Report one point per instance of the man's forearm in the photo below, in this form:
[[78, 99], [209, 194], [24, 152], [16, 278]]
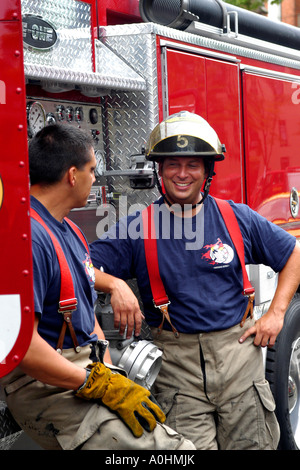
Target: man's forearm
[[127, 313], [268, 327], [288, 283], [104, 282], [45, 364]]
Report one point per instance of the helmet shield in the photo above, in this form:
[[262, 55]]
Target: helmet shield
[[184, 134]]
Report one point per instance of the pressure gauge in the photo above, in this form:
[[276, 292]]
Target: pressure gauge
[[69, 113], [79, 114], [36, 117], [101, 165], [60, 112]]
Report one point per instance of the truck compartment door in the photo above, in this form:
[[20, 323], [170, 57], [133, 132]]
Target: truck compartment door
[[272, 142], [210, 87]]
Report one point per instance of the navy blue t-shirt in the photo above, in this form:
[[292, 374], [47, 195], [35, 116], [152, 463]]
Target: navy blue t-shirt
[[47, 280], [198, 263]]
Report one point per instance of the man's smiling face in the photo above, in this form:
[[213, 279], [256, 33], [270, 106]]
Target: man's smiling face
[[183, 179]]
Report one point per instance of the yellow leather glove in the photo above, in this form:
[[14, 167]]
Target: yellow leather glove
[[132, 402]]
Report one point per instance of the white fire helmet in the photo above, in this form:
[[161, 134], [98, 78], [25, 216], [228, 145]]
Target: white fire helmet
[[184, 134]]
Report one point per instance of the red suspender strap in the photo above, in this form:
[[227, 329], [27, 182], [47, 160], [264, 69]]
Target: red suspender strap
[[78, 233], [68, 301], [160, 298], [159, 294], [236, 236], [67, 295]]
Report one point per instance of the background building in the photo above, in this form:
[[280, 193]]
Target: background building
[[288, 11]]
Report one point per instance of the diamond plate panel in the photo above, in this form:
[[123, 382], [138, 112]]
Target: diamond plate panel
[[130, 117], [72, 22], [9, 429], [70, 61]]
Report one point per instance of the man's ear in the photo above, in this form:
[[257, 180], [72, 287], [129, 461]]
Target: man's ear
[[160, 167], [71, 175]]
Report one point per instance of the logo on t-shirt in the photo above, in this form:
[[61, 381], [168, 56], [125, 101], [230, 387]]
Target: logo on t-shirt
[[218, 253], [89, 268]]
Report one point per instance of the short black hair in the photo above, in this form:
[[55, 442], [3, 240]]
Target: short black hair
[[55, 149]]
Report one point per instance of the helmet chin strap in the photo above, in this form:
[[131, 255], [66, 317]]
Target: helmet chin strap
[[207, 184], [208, 181]]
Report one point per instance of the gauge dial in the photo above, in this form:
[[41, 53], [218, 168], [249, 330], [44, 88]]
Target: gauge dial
[[69, 113], [79, 114], [36, 117], [101, 165], [61, 112]]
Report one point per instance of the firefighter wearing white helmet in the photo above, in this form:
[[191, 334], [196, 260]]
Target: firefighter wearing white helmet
[[185, 134], [211, 384]]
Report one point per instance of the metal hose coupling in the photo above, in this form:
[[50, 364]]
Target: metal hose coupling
[[139, 357]]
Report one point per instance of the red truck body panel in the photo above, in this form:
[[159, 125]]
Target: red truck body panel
[[16, 263]]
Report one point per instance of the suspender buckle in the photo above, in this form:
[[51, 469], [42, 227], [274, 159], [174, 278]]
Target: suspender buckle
[[249, 292], [165, 316], [250, 305], [161, 305], [67, 305], [66, 308]]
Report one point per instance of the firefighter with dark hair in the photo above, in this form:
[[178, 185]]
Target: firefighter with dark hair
[[195, 293], [65, 393]]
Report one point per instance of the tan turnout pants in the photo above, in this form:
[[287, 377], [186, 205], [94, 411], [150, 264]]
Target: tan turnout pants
[[214, 392], [57, 420]]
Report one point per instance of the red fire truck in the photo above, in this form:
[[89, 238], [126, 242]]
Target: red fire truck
[[117, 67]]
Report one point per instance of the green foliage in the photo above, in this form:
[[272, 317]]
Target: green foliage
[[252, 5]]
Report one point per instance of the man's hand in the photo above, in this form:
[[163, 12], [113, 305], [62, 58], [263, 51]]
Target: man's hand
[[132, 402], [124, 303], [265, 330], [126, 309]]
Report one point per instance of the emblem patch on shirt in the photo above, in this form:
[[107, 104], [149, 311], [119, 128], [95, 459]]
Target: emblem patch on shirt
[[89, 268], [218, 253]]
